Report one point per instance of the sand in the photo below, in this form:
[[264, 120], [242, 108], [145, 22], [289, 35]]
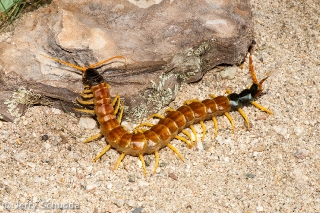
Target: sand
[[274, 167]]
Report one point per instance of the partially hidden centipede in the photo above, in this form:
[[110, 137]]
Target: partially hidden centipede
[[140, 142]]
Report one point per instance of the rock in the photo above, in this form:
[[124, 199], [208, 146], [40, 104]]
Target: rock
[[87, 122], [164, 43]]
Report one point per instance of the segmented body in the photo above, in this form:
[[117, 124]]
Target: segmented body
[[159, 135]]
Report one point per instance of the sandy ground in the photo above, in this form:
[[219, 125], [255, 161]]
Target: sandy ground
[[274, 167]]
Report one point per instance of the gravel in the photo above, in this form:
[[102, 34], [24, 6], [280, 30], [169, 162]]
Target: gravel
[[274, 167]]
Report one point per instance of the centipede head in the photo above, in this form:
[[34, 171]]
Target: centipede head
[[90, 76]]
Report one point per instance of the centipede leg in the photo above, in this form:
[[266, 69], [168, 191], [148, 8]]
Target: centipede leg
[[261, 107], [102, 153], [184, 140], [156, 153], [242, 113], [116, 101], [143, 164], [215, 126], [245, 117], [87, 95], [188, 135], [121, 113], [156, 115], [89, 111], [119, 161], [190, 101], [175, 150], [231, 120], [204, 130], [168, 110], [82, 102], [93, 138], [194, 133]]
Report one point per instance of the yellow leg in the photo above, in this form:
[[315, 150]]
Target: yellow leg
[[121, 113], [190, 101], [187, 134], [245, 117], [82, 102], [93, 138], [144, 124], [115, 101], [119, 161], [143, 164], [212, 95], [136, 130], [215, 126], [184, 140], [194, 133], [87, 90], [261, 107], [102, 153], [86, 96], [204, 130], [231, 120], [175, 150], [156, 153], [168, 110], [89, 111], [156, 115]]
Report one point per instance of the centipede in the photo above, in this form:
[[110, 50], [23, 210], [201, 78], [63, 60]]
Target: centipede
[[142, 141]]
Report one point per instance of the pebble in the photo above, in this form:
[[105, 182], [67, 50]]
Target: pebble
[[109, 185], [119, 202], [280, 130], [131, 203], [137, 210], [229, 72], [301, 154], [86, 122], [44, 137], [47, 145], [91, 186], [21, 156]]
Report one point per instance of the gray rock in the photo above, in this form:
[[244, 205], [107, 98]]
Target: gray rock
[[164, 43]]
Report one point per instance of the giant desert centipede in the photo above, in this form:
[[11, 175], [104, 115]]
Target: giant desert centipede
[[140, 142]]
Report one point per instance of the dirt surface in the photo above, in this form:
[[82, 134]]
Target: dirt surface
[[274, 167]]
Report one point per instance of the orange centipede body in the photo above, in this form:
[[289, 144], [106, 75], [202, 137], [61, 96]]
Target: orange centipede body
[[158, 136]]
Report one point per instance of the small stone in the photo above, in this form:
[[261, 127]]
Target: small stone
[[143, 183], [250, 176], [137, 210], [173, 176], [119, 203], [131, 203], [280, 130], [109, 186], [200, 146], [132, 179], [44, 137], [259, 147], [21, 156], [87, 122], [162, 164], [47, 145], [229, 72], [91, 186], [301, 154]]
